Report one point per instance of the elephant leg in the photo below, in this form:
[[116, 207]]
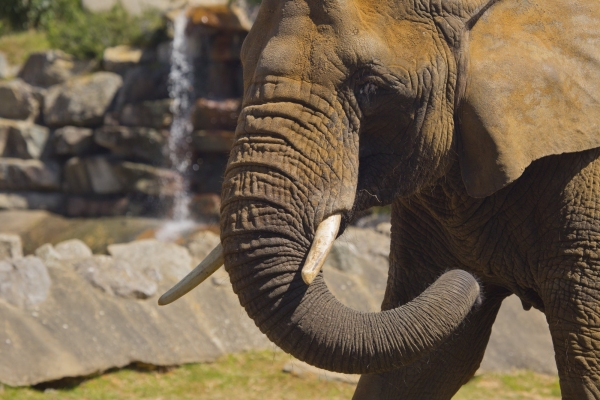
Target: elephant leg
[[574, 318], [440, 374]]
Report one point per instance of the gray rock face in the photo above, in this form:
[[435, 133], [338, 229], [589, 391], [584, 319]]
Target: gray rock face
[[17, 101], [142, 178], [92, 175], [32, 200], [81, 101], [153, 257], [201, 243], [21, 139], [142, 143], [10, 246], [73, 141], [116, 277], [150, 114], [119, 59], [144, 83], [24, 282], [52, 67], [17, 174]]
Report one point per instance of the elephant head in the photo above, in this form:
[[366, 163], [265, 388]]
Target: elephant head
[[348, 104]]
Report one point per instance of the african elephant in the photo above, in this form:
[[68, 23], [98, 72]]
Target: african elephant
[[479, 122]]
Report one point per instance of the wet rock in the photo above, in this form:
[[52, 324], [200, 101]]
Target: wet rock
[[17, 174], [17, 101], [81, 101], [150, 114], [92, 175], [22, 139], [227, 46], [52, 67], [213, 141], [24, 282], [119, 59], [73, 141], [215, 114], [73, 249], [144, 83], [141, 143], [217, 16], [155, 257], [206, 206], [143, 178], [10, 246], [116, 277], [32, 200]]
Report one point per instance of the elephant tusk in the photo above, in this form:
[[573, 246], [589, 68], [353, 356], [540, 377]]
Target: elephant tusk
[[206, 268], [324, 237]]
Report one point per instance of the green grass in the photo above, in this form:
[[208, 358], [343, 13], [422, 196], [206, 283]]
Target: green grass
[[258, 375], [17, 46]]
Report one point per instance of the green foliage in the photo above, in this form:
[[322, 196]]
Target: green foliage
[[86, 35], [76, 31]]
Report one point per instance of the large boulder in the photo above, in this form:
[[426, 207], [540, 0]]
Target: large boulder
[[91, 175], [20, 139], [22, 175], [150, 114], [119, 59], [52, 67], [17, 101], [73, 141], [144, 83], [51, 201], [81, 101], [145, 144], [10, 246], [149, 180], [5, 69], [116, 277], [24, 282], [215, 114]]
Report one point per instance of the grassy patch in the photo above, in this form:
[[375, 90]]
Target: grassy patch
[[257, 375], [17, 46]]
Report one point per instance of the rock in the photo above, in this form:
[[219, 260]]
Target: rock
[[88, 207], [12, 201], [384, 228], [150, 114], [10, 246], [207, 175], [213, 141], [201, 243], [142, 178], [81, 101], [73, 141], [157, 258], [17, 101], [144, 83], [24, 282], [216, 16], [73, 249], [52, 67], [344, 257], [520, 340], [215, 114], [92, 175], [48, 254], [17, 174], [32, 200], [146, 144], [206, 206], [116, 277], [5, 70], [226, 46], [120, 58], [21, 139]]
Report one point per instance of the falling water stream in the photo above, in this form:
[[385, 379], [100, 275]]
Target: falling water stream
[[181, 84]]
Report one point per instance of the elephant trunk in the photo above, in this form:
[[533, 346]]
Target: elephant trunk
[[278, 187]]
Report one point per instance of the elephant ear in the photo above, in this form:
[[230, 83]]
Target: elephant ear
[[533, 88]]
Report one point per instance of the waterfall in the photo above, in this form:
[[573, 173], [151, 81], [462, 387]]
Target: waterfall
[[181, 84]]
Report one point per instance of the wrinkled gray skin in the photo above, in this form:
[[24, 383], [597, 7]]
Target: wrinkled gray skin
[[338, 117]]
